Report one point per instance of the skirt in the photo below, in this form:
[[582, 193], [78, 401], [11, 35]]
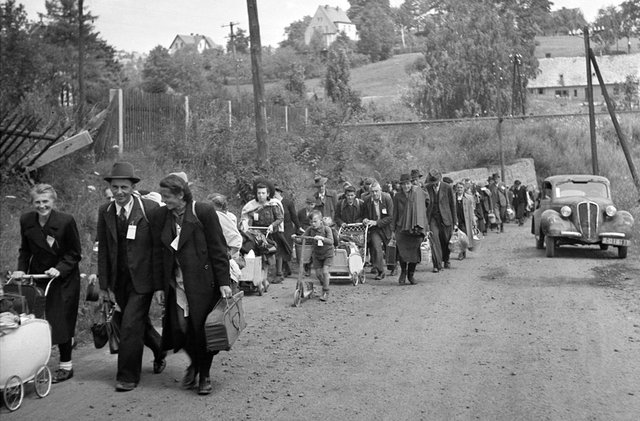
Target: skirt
[[408, 246]]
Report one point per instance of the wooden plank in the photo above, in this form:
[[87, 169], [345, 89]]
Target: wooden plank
[[63, 148]]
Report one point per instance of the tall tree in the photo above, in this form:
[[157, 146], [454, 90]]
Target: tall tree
[[336, 82], [376, 30], [630, 11], [294, 34], [241, 40], [19, 66], [609, 23], [466, 70]]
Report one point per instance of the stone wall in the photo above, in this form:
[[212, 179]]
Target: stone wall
[[522, 169]]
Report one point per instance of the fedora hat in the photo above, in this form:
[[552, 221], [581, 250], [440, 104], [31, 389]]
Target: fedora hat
[[319, 181], [122, 171], [406, 178], [416, 174], [310, 199]]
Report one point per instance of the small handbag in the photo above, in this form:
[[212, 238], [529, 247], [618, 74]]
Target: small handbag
[[107, 331], [225, 322]]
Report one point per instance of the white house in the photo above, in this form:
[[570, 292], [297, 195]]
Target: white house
[[201, 42], [329, 22], [567, 76]]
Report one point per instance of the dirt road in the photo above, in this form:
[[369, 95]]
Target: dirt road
[[505, 334]]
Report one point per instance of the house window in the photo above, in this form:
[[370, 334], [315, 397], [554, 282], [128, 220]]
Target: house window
[[562, 93], [540, 91], [575, 93]]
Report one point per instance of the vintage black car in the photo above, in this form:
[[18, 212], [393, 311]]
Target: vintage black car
[[577, 209]]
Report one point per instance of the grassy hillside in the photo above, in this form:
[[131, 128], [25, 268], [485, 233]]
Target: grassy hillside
[[567, 46]]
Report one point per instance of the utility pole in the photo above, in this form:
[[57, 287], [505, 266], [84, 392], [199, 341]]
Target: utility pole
[[592, 116], [499, 127], [262, 158], [232, 37], [80, 116]]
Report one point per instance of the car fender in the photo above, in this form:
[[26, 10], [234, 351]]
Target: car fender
[[552, 223], [622, 222]]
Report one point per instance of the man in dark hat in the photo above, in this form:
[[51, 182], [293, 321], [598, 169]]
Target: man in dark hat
[[291, 226], [442, 218], [326, 200], [125, 273], [519, 201], [416, 178]]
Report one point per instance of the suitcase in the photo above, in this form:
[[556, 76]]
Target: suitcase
[[225, 322]]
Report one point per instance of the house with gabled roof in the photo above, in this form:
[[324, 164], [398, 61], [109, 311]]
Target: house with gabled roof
[[567, 76], [200, 42], [328, 22]]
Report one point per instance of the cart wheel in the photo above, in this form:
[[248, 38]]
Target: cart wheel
[[362, 278], [42, 381], [297, 297], [354, 279], [13, 393]]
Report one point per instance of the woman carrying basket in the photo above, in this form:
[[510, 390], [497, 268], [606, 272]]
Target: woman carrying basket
[[51, 245]]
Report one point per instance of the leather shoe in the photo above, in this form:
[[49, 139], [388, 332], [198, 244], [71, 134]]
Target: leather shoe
[[393, 272], [160, 363], [379, 276], [436, 270], [62, 375], [125, 386], [204, 387], [411, 279], [447, 265], [189, 379]]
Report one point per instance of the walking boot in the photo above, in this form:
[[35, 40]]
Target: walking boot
[[402, 278], [410, 278]]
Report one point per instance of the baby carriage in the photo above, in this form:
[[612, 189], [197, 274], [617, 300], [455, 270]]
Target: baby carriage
[[253, 276], [348, 262], [19, 334]]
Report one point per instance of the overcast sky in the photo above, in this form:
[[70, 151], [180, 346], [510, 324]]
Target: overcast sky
[[140, 25]]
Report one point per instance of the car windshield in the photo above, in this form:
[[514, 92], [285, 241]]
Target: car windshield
[[582, 188]]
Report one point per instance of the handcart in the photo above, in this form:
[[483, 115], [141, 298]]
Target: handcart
[[348, 262], [254, 278], [304, 289], [25, 348]]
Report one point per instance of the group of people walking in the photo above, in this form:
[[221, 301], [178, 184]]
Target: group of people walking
[[177, 252], [184, 252]]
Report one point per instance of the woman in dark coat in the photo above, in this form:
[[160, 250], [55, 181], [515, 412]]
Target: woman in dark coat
[[51, 245], [410, 225], [190, 256]]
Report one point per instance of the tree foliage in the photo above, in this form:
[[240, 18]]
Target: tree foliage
[[336, 81], [376, 30], [466, 60], [294, 34]]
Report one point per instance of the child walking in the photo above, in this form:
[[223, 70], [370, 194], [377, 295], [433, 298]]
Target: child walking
[[323, 251]]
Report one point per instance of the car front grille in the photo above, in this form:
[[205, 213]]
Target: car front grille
[[588, 220]]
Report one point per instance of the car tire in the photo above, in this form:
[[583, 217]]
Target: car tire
[[540, 241], [604, 247], [622, 252], [551, 246]]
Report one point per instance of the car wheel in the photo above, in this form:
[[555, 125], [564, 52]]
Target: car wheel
[[604, 246], [622, 252], [540, 241], [551, 246]]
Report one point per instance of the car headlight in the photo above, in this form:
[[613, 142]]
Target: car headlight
[[610, 211], [565, 211]]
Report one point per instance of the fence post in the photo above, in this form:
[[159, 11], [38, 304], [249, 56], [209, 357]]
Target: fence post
[[306, 116], [186, 118], [229, 111], [286, 118], [120, 123]]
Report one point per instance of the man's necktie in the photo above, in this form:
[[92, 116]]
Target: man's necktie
[[122, 221]]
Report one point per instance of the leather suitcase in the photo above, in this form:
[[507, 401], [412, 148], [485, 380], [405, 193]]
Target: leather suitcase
[[390, 255], [225, 322]]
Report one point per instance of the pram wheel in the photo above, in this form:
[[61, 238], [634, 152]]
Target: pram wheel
[[361, 277], [297, 297], [13, 393], [260, 289], [42, 381], [355, 279]]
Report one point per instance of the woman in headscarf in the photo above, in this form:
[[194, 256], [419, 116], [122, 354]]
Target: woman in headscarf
[[51, 245], [190, 255], [410, 224], [465, 213]]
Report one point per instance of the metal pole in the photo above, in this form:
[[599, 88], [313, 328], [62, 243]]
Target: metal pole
[[614, 119], [120, 124], [229, 112], [286, 118], [592, 117], [186, 117]]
